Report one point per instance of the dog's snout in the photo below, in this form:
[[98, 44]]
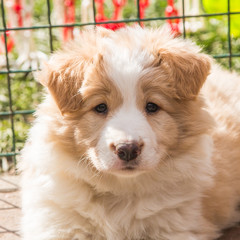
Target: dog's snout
[[128, 151]]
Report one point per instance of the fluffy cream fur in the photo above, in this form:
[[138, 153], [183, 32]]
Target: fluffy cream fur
[[185, 181]]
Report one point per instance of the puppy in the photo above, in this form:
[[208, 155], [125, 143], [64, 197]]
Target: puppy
[[130, 144]]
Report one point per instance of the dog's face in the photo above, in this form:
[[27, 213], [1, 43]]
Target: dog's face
[[126, 100]]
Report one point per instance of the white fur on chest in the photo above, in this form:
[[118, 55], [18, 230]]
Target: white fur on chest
[[166, 206]]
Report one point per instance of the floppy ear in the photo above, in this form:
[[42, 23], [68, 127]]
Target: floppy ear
[[188, 69], [63, 79]]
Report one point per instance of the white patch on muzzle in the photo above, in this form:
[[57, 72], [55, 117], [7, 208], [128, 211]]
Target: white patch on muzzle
[[126, 126]]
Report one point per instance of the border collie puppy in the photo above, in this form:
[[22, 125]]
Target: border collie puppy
[[131, 143]]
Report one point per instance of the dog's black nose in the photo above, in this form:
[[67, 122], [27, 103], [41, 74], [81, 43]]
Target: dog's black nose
[[128, 151]]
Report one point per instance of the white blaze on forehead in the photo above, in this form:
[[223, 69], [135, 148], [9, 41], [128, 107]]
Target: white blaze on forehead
[[124, 67], [126, 125]]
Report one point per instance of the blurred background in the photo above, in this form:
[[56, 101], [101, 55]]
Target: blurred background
[[30, 30]]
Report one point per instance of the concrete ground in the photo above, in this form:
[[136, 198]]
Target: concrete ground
[[10, 211]]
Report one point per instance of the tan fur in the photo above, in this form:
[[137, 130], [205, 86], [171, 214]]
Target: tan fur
[[222, 201], [190, 194]]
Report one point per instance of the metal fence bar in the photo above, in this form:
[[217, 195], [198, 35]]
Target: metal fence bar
[[16, 71], [8, 81], [9, 154], [229, 35], [226, 55], [138, 11], [183, 19], [117, 21], [94, 12], [22, 112], [50, 26]]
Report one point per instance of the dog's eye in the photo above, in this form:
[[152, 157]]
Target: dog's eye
[[101, 108], [152, 107]]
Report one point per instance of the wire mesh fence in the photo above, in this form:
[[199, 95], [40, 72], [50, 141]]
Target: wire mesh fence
[[214, 25]]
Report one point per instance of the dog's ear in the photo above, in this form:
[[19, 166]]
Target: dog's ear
[[63, 78], [188, 69]]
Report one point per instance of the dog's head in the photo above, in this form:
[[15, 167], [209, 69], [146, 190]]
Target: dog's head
[[126, 101]]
